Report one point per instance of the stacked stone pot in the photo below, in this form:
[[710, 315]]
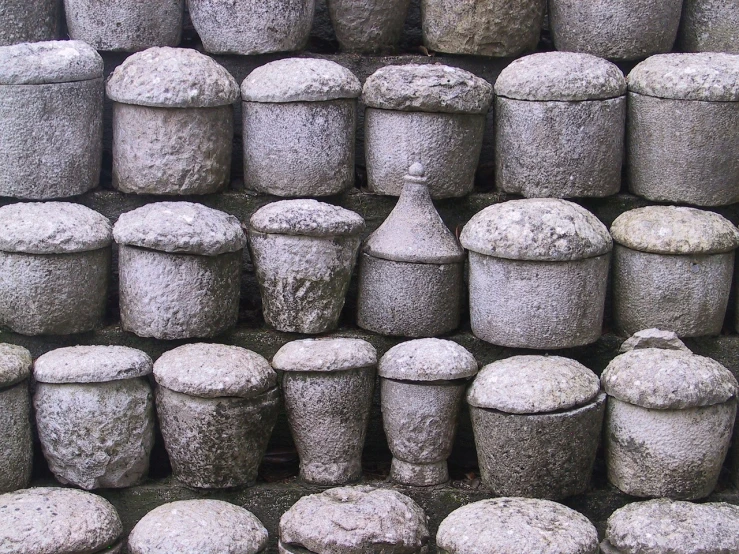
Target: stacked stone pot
[[28, 21], [367, 26], [709, 26], [15, 418]]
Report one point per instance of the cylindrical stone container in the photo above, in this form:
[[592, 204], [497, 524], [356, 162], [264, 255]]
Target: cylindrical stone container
[[180, 270], [368, 26], [682, 129], [54, 268], [354, 519], [672, 269], [15, 418], [327, 387], [709, 26], [28, 21], [560, 122], [299, 125], [433, 114], [217, 405], [172, 123], [304, 253], [51, 119], [95, 415], [537, 273]]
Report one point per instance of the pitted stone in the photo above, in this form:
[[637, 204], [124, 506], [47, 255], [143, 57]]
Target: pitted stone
[[427, 359], [325, 355], [40, 63], [653, 338], [307, 218], [15, 364], [91, 364]]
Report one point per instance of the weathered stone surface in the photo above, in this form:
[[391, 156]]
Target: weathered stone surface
[[709, 26], [15, 364], [43, 63], [15, 439], [427, 360], [24, 21], [325, 355], [308, 218], [653, 338], [368, 26], [91, 364]]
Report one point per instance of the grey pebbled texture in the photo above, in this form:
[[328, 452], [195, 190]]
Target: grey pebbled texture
[[16, 440], [709, 26], [368, 26], [28, 21], [325, 355], [15, 364], [91, 364], [306, 218], [653, 338], [427, 359], [41, 63]]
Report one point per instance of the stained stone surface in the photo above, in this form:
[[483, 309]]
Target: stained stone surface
[[709, 26], [28, 21], [15, 418], [368, 26], [653, 338]]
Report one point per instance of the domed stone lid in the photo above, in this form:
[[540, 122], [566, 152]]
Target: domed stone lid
[[91, 364], [180, 227], [533, 385], [675, 230], [300, 80], [561, 76], [41, 63], [306, 217], [427, 360], [172, 78], [325, 355], [542, 229], [653, 338], [15, 364], [427, 88], [52, 228], [505, 525], [214, 370]]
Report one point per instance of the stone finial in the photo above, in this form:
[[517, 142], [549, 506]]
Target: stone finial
[[653, 338]]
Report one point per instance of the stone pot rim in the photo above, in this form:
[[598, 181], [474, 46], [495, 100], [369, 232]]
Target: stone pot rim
[[49, 62], [572, 411]]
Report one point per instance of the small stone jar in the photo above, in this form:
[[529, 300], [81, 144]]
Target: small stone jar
[[51, 119], [672, 269], [15, 418], [172, 123], [682, 129], [54, 268], [538, 272], [95, 415], [709, 26], [368, 26], [422, 384], [559, 126], [299, 124], [433, 114], [304, 253], [217, 405], [327, 387], [28, 21], [180, 270]]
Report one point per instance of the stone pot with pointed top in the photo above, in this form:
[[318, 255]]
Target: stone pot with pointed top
[[28, 21], [709, 26], [368, 26], [15, 418]]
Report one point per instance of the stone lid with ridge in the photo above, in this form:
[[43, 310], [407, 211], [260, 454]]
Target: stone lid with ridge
[[15, 364], [41, 63], [427, 360], [307, 218], [91, 364], [325, 355]]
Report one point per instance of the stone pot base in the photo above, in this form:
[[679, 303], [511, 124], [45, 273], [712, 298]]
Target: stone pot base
[[419, 475], [331, 474]]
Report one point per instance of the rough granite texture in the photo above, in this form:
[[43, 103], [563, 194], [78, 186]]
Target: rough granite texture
[[91, 364], [43, 63], [709, 26], [653, 338], [325, 355], [15, 364], [427, 360], [16, 439], [368, 26], [306, 217], [28, 21]]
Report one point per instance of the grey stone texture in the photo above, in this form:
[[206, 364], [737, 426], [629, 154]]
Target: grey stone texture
[[15, 418], [653, 338], [368, 26], [28, 21], [709, 26]]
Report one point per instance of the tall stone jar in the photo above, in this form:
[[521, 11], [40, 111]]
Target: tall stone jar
[[367, 27], [15, 418], [709, 26], [28, 21], [51, 119]]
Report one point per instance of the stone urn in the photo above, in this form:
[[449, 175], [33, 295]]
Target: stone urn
[[709, 26], [15, 418], [368, 26], [28, 21]]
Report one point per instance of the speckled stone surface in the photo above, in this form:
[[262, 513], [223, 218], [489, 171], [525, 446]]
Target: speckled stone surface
[[42, 63], [91, 364], [28, 21], [15, 364], [325, 355], [367, 26], [709, 26], [307, 217], [427, 359], [15, 418], [653, 338]]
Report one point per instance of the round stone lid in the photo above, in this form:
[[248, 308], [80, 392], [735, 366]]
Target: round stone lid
[[49, 520], [91, 364], [675, 230], [427, 360], [541, 229], [427, 88], [180, 227], [505, 525], [172, 78], [300, 80], [325, 355], [15, 364], [52, 228], [306, 217], [561, 76], [198, 526], [214, 370], [41, 63], [710, 77], [353, 520], [533, 385]]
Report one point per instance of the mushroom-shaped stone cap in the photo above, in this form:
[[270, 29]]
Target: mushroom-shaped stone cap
[[180, 227], [172, 78], [427, 360], [710, 77], [506, 525], [354, 520], [427, 88], [214, 370], [300, 80], [52, 228], [540, 229], [198, 526], [91, 364], [41, 63], [306, 217], [533, 385], [57, 521], [15, 364], [325, 355], [675, 230], [561, 76]]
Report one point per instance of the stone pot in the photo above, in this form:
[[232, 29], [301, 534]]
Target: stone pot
[[672, 269], [682, 129], [709, 26], [180, 270], [433, 114], [537, 422], [368, 26], [15, 418], [28, 21], [304, 253], [51, 119], [327, 388], [54, 268], [217, 405], [95, 415], [537, 274], [299, 124], [560, 123]]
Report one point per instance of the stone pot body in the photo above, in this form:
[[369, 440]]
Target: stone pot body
[[734, 475], [367, 27], [709, 26], [28, 21], [15, 418]]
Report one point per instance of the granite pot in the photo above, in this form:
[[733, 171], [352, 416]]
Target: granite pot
[[433, 114], [709, 26], [368, 26], [28, 21], [682, 129], [327, 387], [54, 268], [299, 123], [172, 123], [537, 274], [672, 269], [15, 418], [304, 253], [180, 270], [51, 119], [95, 415]]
